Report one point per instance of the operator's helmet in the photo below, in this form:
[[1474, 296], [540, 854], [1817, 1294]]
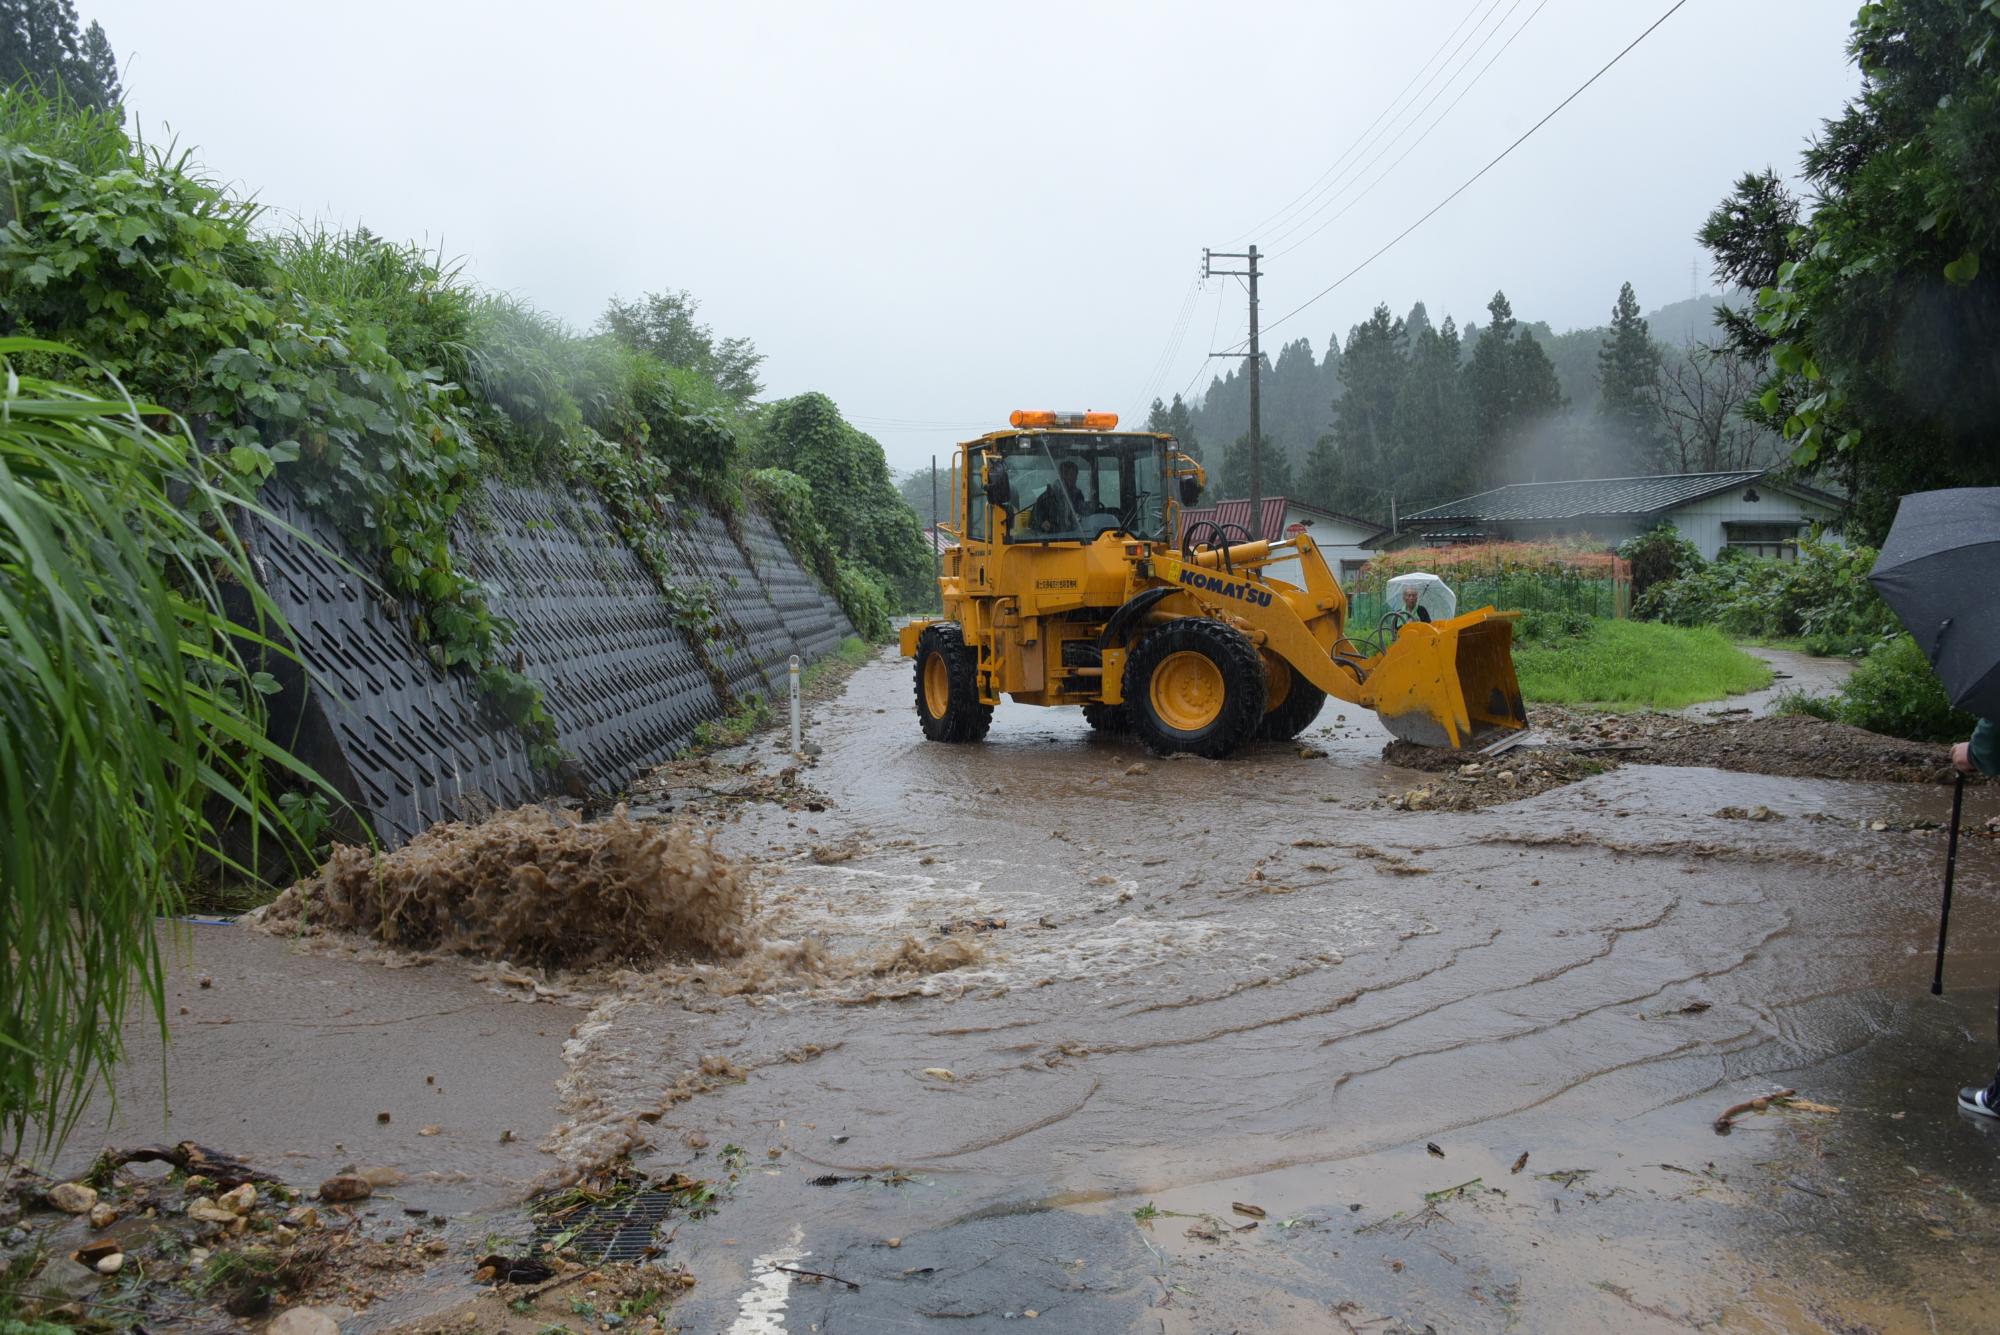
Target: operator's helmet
[[1433, 595]]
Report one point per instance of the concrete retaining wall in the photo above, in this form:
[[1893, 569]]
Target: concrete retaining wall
[[410, 743]]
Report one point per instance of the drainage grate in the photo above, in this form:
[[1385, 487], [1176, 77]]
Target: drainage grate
[[620, 1230]]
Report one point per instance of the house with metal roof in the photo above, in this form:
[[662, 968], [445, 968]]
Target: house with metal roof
[[1345, 541], [1747, 510]]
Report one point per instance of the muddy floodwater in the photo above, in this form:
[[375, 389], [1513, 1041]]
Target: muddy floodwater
[[1191, 1046]]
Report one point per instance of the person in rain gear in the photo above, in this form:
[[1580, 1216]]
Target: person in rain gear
[[1411, 607], [1980, 755]]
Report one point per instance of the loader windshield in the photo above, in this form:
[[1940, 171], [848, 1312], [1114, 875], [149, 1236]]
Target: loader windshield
[[1077, 486]]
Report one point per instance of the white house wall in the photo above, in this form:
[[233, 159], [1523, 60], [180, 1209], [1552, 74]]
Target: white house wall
[[1702, 521]]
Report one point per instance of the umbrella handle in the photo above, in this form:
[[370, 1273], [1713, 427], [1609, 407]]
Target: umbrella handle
[[1950, 866]]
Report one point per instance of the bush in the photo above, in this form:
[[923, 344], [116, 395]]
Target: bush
[[1538, 627], [1823, 598], [1658, 555], [1896, 693]]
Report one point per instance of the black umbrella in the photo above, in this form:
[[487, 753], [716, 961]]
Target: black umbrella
[[1939, 569]]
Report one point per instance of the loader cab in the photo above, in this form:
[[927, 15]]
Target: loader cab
[[1068, 478]]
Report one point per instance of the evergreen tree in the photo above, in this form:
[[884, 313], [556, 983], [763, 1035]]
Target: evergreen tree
[[1372, 370], [1433, 424], [1628, 377], [1180, 425], [42, 47], [1514, 393], [1277, 470]]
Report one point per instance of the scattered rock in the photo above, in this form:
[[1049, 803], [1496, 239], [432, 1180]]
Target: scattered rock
[[240, 1201], [346, 1187], [112, 1264], [103, 1216], [210, 1212], [62, 1280], [72, 1197], [939, 1073], [302, 1321], [302, 1217], [1136, 767]]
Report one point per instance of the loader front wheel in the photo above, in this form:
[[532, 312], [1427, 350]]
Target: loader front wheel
[[1294, 703], [1194, 685], [948, 704]]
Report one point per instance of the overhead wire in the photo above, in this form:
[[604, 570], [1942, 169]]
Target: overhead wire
[[1201, 366], [1279, 216], [1356, 196], [1162, 365], [1474, 178], [1331, 192]]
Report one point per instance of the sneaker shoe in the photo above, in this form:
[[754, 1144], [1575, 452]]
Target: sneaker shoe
[[1979, 1102]]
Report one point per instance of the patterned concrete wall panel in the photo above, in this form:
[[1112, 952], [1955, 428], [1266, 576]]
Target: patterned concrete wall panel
[[406, 742], [410, 744], [705, 553], [806, 610], [621, 680]]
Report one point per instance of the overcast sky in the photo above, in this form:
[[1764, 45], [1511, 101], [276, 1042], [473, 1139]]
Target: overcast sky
[[936, 213]]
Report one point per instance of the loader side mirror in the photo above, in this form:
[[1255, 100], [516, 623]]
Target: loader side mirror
[[1190, 490], [998, 489]]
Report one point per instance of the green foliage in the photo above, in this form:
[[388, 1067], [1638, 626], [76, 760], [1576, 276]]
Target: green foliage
[[131, 722], [788, 500], [1880, 321], [1635, 665], [866, 599], [385, 386], [1894, 692], [1274, 467], [1628, 376], [1823, 599], [1177, 420], [747, 716], [851, 497], [1658, 555], [663, 324], [41, 48]]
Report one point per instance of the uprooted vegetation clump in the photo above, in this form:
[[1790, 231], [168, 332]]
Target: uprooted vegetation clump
[[535, 887]]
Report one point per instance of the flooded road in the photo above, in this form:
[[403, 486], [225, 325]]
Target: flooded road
[[1050, 1029], [1183, 985]]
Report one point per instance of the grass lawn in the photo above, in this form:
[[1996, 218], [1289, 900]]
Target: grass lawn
[[1636, 665]]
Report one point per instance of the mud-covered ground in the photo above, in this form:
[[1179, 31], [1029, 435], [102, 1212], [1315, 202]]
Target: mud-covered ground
[[1048, 1029]]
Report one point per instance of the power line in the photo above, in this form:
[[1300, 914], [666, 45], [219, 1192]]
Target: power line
[[1279, 216], [1470, 181], [1418, 141], [1357, 190], [1176, 335], [1325, 197], [1203, 365]]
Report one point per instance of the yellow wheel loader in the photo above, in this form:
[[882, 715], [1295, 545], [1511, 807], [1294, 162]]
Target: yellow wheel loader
[[1067, 587]]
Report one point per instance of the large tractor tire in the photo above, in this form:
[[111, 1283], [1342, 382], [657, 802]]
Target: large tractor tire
[[1111, 720], [1194, 685], [1291, 702], [948, 704]]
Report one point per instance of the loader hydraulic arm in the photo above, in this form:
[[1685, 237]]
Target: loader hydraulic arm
[[1439, 684]]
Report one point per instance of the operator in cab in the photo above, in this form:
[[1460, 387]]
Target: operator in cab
[[1059, 509]]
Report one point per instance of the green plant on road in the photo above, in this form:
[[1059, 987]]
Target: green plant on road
[[1635, 665], [131, 718]]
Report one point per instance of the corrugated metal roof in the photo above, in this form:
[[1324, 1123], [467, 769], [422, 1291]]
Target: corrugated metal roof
[[1591, 499]]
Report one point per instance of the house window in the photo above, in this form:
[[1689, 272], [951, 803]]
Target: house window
[[1780, 541]]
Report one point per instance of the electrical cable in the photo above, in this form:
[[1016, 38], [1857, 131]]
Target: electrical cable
[[1333, 190], [1442, 116], [1280, 214], [1471, 180]]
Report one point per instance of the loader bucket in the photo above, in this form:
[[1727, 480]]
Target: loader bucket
[[1450, 684]]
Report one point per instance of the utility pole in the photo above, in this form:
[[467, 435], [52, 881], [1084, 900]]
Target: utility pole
[[1256, 364]]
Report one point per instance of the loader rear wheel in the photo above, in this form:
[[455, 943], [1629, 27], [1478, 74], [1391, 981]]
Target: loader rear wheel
[[1293, 703], [1111, 720], [948, 704], [1194, 685]]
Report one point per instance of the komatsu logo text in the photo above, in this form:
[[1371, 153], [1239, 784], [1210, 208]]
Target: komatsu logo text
[[1228, 588]]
